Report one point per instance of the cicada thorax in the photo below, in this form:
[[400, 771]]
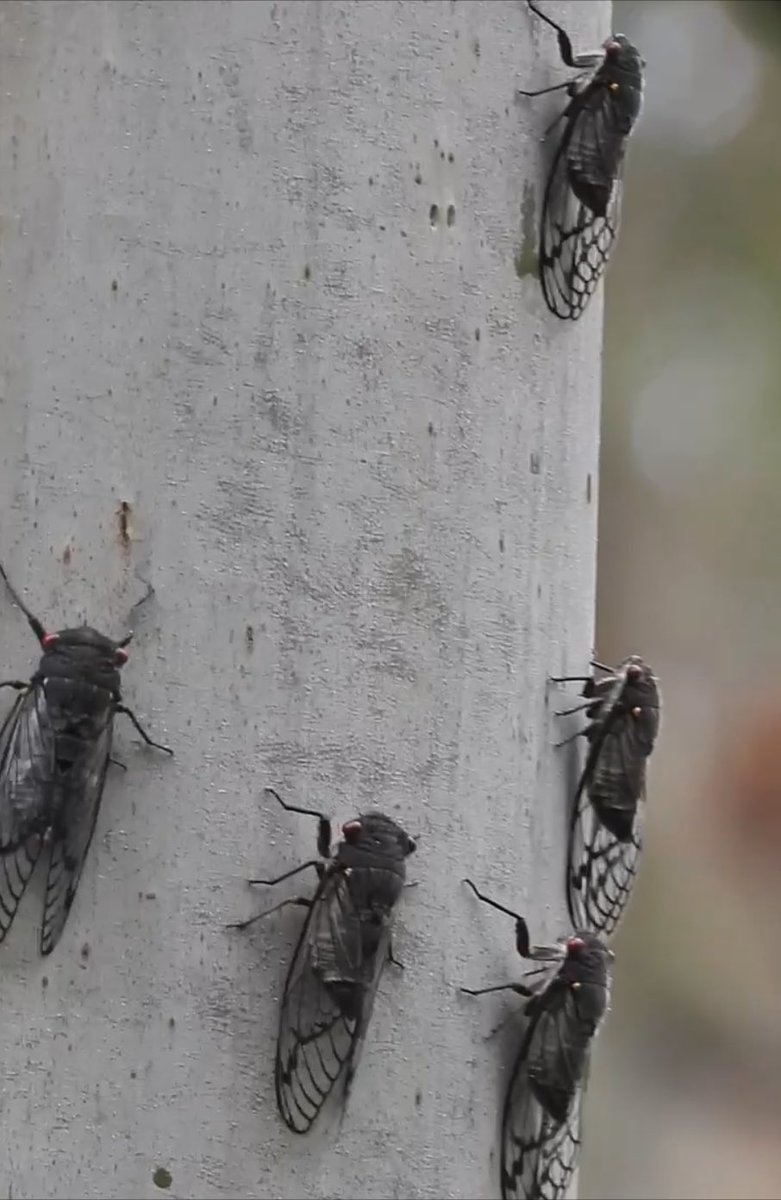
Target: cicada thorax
[[622, 733]]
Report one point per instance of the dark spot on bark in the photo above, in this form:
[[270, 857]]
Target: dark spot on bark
[[418, 178], [162, 1178], [124, 513], [534, 462], [85, 951], [45, 982], [249, 637], [114, 285], [526, 261], [418, 1098], [501, 543], [477, 335], [66, 555], [588, 488], [451, 214], [431, 428], [433, 215], [451, 157], [307, 272]]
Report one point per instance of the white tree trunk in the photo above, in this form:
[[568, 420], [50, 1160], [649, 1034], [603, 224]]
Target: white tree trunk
[[259, 286]]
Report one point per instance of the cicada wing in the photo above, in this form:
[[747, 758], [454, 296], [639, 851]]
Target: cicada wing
[[606, 824], [328, 992], [79, 794], [575, 239], [601, 870], [539, 1152], [374, 970], [27, 775]]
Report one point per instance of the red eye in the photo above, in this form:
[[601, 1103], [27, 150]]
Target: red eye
[[120, 657], [351, 830], [612, 47], [575, 945], [49, 639], [634, 671]]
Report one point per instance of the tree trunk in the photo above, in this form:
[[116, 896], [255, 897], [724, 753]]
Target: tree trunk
[[271, 343]]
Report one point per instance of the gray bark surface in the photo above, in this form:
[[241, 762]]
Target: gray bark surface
[[359, 463]]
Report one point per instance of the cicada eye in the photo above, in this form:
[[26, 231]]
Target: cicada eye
[[412, 845], [120, 656], [352, 830], [575, 945], [48, 640]]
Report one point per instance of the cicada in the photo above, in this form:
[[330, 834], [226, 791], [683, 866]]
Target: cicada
[[541, 1120], [582, 201], [55, 747], [343, 946], [606, 822]]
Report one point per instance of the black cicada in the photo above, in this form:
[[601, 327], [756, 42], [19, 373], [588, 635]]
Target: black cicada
[[582, 201], [541, 1115], [606, 823], [55, 747], [343, 946]]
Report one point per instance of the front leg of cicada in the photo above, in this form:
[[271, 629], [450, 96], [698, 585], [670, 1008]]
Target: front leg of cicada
[[519, 988], [128, 712], [299, 901], [581, 62], [323, 823]]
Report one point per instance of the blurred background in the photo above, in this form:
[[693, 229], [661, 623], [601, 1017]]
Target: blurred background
[[685, 1096]]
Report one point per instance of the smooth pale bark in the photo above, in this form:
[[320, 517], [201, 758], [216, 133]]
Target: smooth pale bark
[[267, 342]]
